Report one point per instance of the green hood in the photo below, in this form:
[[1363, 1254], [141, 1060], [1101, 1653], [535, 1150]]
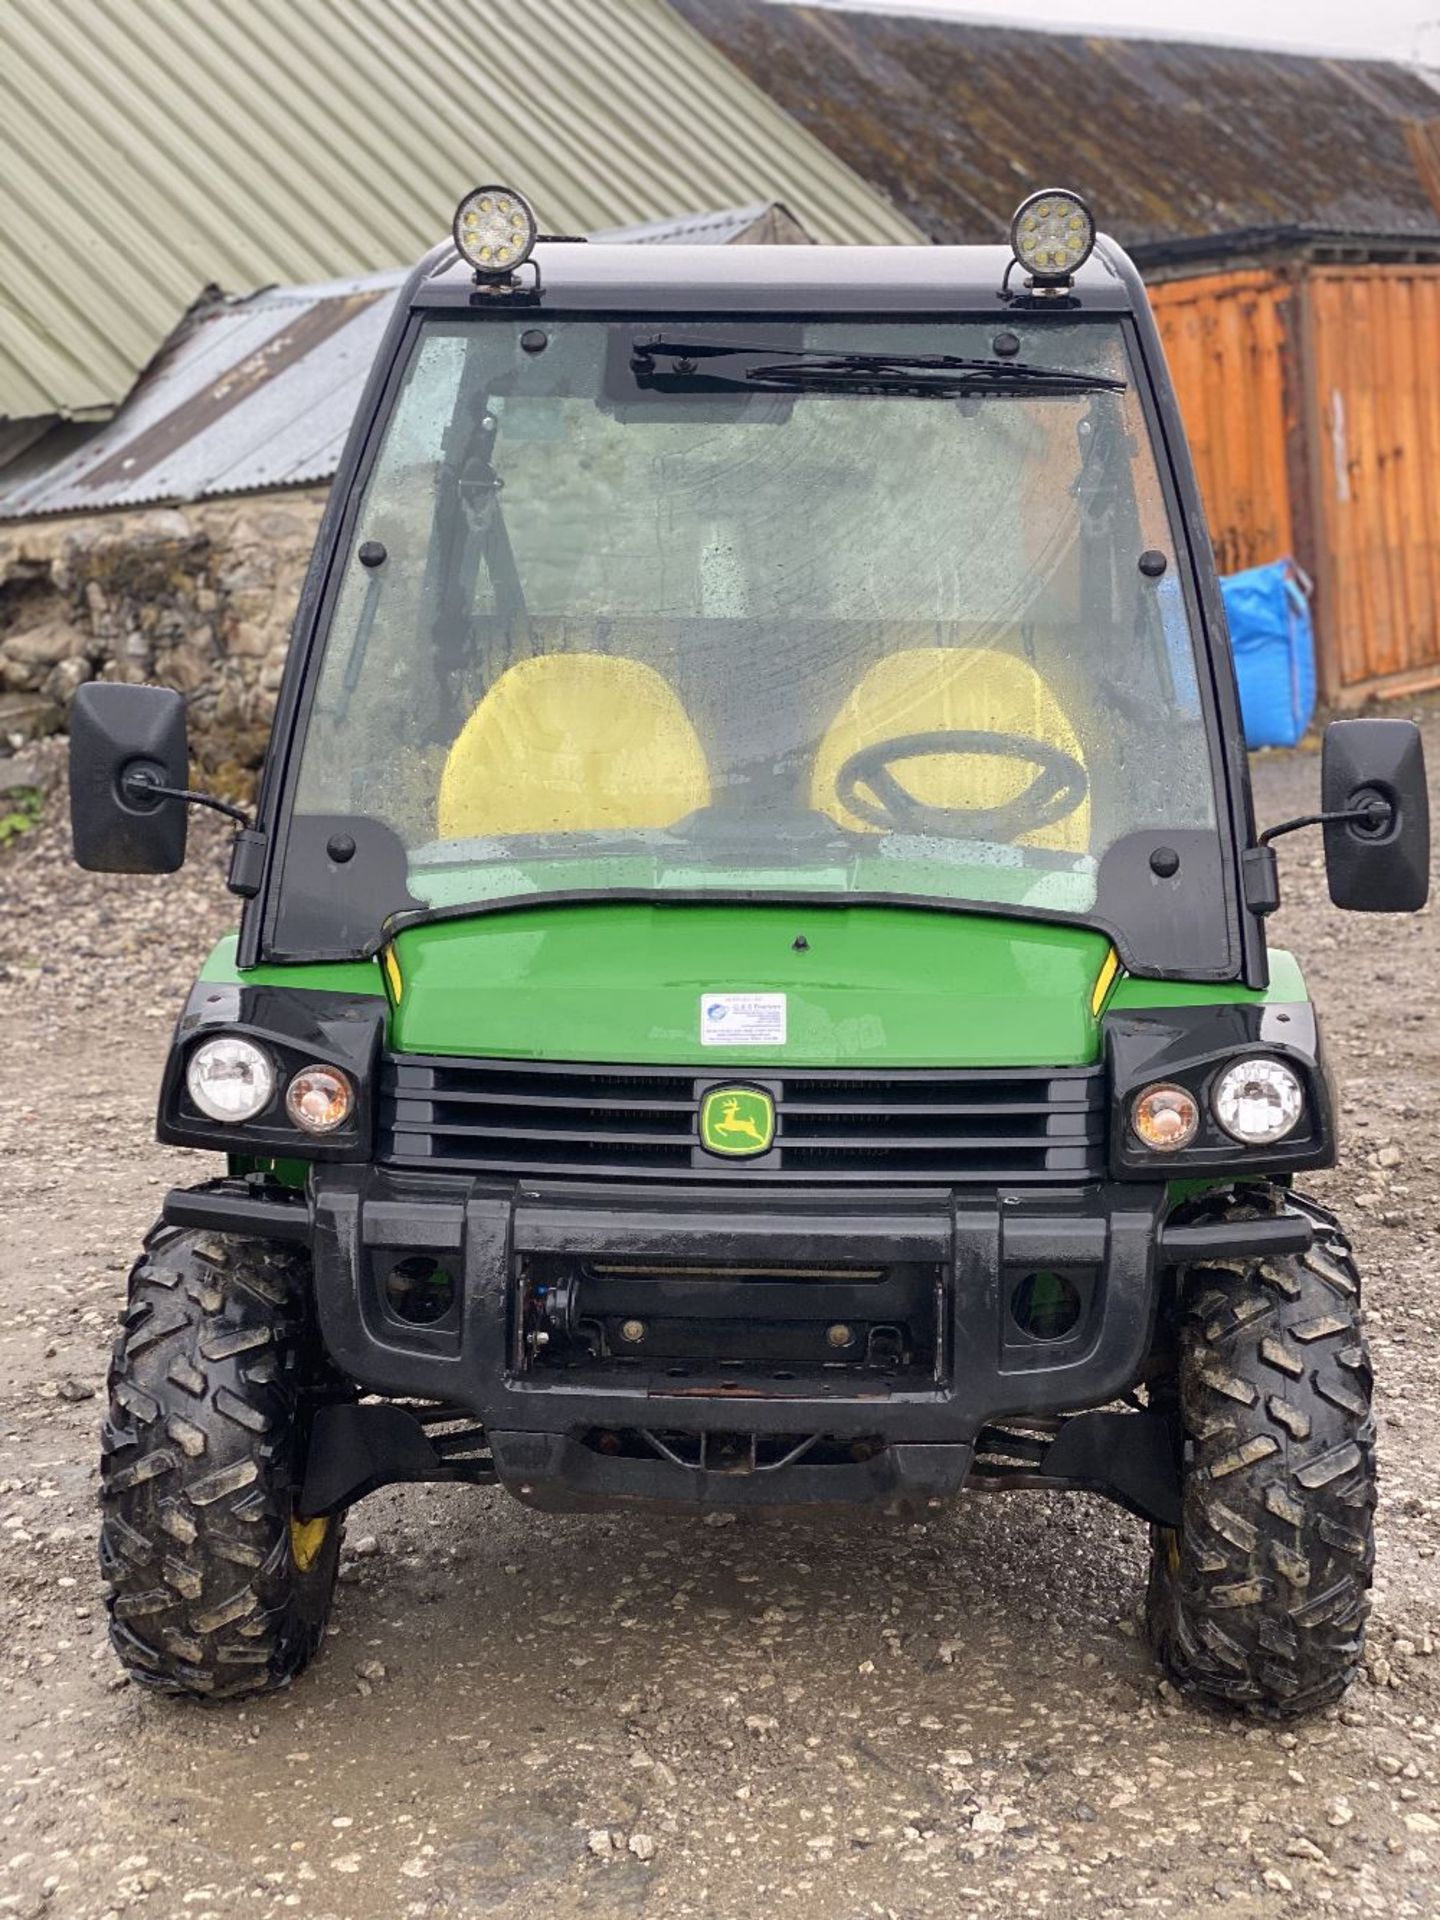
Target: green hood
[[872, 986], [864, 986]]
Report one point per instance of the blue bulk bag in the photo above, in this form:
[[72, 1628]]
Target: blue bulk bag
[[1273, 638]]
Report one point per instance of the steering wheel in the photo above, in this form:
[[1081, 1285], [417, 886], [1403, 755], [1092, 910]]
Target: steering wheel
[[1057, 790]]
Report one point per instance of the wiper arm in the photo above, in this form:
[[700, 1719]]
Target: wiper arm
[[692, 369]]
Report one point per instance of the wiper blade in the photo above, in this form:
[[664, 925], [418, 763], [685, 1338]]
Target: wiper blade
[[937, 383], [692, 369]]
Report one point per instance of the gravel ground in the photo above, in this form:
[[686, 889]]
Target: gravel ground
[[523, 1715]]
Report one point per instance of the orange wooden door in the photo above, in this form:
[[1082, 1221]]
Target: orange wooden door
[[1374, 356], [1227, 339]]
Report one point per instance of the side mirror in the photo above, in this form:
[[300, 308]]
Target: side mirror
[[1381, 865], [121, 738]]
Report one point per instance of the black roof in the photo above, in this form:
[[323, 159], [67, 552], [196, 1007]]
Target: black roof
[[776, 279], [1184, 150]]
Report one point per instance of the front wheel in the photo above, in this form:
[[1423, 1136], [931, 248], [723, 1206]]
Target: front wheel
[[217, 1585], [1259, 1599]]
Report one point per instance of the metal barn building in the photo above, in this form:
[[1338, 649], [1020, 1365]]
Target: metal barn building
[[1285, 210]]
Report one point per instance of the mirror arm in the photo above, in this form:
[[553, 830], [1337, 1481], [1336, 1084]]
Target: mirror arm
[[140, 785], [1376, 814]]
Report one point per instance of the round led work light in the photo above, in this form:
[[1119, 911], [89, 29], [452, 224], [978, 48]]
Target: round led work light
[[495, 231], [1053, 234]]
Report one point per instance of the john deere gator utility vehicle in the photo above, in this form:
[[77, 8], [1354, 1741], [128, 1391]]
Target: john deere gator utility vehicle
[[752, 988]]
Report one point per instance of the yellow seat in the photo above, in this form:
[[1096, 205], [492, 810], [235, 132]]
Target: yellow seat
[[573, 743], [960, 689]]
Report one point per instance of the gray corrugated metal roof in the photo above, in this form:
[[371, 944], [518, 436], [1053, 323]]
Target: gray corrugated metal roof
[[1182, 148], [149, 148], [250, 394], [702, 229]]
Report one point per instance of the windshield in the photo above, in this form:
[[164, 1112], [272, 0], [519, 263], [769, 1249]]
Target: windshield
[[615, 616]]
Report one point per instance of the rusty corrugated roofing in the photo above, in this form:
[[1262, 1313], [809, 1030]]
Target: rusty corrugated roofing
[[260, 392], [1182, 148], [151, 148]]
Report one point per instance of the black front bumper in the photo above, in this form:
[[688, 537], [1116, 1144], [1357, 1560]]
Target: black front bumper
[[722, 1430]]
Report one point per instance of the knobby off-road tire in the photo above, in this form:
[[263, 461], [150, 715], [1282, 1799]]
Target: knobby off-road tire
[[1260, 1599], [211, 1590]]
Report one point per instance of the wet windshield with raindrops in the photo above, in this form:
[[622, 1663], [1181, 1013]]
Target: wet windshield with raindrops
[[863, 644]]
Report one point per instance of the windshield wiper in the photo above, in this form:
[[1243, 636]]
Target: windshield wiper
[[692, 369]]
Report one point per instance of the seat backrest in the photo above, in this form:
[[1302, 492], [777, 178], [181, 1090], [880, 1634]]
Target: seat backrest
[[573, 743], [964, 689]]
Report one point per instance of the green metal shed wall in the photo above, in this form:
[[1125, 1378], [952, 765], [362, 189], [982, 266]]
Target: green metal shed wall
[[149, 148]]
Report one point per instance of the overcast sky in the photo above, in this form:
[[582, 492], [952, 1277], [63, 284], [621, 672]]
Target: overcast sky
[[1386, 29]]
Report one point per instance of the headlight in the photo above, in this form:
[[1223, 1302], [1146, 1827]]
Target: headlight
[[1053, 233], [230, 1078], [1165, 1118], [494, 230], [1258, 1101], [319, 1099]]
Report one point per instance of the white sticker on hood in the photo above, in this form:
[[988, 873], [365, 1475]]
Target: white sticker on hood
[[742, 1019]]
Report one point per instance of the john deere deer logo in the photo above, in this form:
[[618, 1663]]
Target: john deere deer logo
[[739, 1125], [737, 1120]]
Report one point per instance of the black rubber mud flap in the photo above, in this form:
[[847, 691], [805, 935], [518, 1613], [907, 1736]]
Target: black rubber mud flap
[[1129, 1456], [355, 1449]]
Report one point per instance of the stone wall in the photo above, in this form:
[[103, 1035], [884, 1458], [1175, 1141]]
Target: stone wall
[[198, 598]]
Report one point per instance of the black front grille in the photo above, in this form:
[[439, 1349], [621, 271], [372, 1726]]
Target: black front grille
[[993, 1127]]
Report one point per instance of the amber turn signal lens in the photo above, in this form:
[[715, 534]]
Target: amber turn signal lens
[[1165, 1118], [319, 1099]]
